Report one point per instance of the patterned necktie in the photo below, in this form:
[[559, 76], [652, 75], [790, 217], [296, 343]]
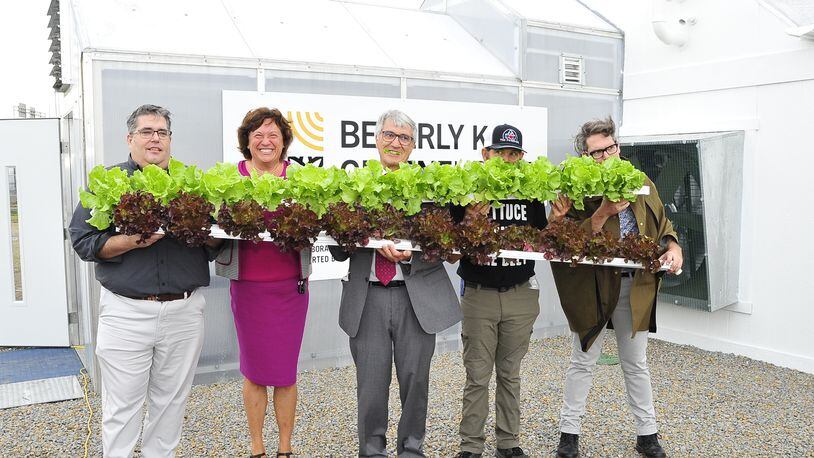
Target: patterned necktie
[[385, 269], [627, 223]]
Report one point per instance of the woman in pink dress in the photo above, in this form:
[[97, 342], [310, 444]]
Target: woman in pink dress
[[269, 293]]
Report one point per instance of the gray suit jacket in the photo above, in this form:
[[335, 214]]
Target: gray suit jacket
[[431, 293]]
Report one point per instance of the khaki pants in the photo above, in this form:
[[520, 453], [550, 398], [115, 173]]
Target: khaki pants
[[633, 358], [147, 350], [497, 327]]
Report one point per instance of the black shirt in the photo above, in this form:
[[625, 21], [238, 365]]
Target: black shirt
[[167, 266], [504, 272]]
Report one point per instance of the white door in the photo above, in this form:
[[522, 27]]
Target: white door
[[33, 299]]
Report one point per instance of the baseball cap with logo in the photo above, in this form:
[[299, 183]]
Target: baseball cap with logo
[[506, 136]]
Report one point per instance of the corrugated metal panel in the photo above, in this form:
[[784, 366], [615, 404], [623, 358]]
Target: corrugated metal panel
[[39, 391]]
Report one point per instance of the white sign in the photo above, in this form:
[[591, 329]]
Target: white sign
[[340, 130]]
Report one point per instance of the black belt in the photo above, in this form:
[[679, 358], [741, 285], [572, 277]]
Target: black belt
[[161, 297], [390, 284], [626, 273], [500, 289]]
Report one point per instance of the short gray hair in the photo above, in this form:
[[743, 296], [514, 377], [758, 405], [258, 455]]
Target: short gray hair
[[605, 127], [147, 110], [399, 118]]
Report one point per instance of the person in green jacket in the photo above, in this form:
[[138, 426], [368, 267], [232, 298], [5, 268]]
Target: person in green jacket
[[595, 298]]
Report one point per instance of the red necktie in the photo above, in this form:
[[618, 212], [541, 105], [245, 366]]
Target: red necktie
[[385, 269]]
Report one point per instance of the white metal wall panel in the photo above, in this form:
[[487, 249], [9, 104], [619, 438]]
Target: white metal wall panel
[[332, 83], [462, 92], [191, 93], [567, 111], [603, 56]]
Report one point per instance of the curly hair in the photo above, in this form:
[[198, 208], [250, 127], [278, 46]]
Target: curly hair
[[605, 127], [254, 119]]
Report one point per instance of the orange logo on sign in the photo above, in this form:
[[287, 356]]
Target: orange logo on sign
[[307, 128]]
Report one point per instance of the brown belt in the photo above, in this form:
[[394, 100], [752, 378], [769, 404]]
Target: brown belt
[[161, 297]]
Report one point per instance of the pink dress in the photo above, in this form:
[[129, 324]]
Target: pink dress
[[268, 310]]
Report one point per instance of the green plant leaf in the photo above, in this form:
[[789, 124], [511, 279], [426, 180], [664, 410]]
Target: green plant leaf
[[621, 179], [581, 177]]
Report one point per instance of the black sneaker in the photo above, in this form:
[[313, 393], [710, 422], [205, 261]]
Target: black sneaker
[[468, 455], [514, 451], [569, 446], [649, 446]]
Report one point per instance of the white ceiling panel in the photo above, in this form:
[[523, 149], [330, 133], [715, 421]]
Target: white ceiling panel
[[427, 41], [302, 31], [306, 31], [199, 27]]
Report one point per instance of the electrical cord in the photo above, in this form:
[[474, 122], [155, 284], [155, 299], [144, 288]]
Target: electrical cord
[[83, 373]]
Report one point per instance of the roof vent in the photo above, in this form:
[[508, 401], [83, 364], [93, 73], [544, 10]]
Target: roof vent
[[55, 48], [572, 69]]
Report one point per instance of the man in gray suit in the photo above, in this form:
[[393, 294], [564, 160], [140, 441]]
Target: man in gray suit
[[393, 304]]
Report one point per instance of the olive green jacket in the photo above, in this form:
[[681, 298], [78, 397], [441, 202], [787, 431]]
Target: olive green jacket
[[589, 294]]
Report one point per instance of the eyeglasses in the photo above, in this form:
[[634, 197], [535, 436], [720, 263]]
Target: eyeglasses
[[147, 133], [389, 136], [610, 150]]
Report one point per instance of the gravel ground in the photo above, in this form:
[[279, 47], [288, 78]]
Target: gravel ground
[[707, 404]]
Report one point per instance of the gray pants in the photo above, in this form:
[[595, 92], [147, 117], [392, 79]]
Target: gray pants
[[496, 332], [633, 358], [389, 330]]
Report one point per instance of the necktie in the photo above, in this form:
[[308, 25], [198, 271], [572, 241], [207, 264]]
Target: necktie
[[627, 223], [385, 269]]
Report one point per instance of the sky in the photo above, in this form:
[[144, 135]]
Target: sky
[[24, 56]]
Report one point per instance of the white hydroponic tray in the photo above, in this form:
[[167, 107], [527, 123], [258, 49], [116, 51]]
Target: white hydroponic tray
[[324, 239], [643, 191]]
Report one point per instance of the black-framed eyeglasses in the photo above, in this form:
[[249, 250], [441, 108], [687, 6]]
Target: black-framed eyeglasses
[[609, 150], [389, 136], [148, 133]]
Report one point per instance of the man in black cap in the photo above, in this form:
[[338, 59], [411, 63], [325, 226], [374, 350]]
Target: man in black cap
[[500, 304]]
